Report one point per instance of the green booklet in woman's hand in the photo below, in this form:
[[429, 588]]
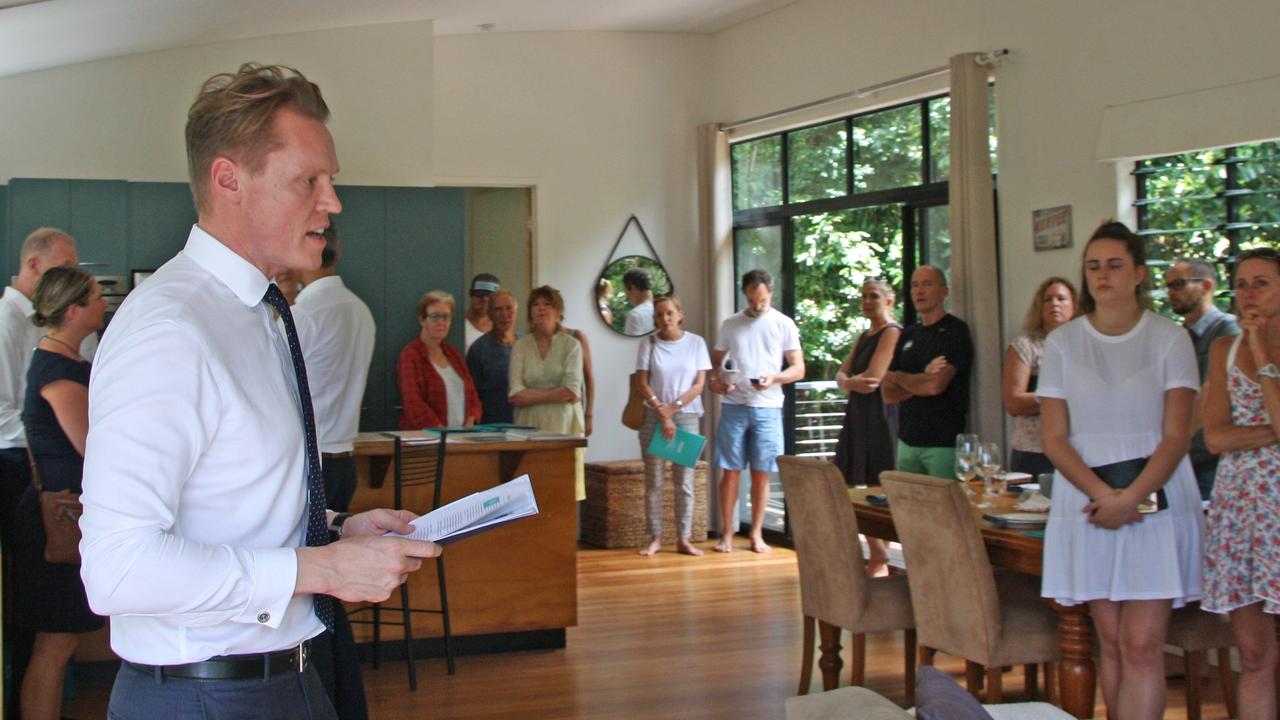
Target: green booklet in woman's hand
[[683, 449]]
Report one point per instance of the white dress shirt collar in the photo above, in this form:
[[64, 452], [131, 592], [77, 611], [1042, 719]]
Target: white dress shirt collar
[[319, 285], [245, 280]]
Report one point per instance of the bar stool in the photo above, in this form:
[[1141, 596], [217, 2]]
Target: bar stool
[[413, 465]]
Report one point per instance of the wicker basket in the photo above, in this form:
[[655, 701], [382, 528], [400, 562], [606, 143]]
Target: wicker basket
[[613, 513]]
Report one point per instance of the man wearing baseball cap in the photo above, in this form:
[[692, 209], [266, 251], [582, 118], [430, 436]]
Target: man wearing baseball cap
[[478, 322]]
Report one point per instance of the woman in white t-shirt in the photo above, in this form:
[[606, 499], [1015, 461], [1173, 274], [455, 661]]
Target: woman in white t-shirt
[[672, 368], [1116, 390]]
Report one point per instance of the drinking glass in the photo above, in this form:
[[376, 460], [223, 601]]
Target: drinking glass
[[989, 467], [966, 458]]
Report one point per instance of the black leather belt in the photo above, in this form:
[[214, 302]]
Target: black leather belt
[[235, 667], [337, 455]]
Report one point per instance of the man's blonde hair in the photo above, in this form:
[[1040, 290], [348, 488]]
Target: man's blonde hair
[[232, 117]]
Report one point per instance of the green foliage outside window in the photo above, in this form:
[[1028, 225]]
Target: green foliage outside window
[[1209, 204]]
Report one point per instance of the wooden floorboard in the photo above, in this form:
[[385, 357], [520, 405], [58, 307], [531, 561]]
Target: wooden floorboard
[[665, 637]]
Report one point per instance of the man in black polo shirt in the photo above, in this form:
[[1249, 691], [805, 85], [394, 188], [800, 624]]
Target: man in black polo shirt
[[929, 378]]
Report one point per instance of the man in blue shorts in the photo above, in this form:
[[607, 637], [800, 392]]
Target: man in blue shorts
[[762, 347]]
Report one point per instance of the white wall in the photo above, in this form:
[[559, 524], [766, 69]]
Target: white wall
[[602, 125], [498, 237], [1069, 62], [124, 118]]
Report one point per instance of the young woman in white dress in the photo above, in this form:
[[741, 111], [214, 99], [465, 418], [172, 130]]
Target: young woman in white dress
[[1118, 384]]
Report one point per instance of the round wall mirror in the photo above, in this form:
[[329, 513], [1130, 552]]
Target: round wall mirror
[[625, 293]]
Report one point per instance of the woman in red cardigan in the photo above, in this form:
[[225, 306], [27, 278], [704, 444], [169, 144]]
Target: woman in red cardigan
[[435, 387]]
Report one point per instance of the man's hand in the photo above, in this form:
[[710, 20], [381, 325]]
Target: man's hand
[[378, 522], [364, 566], [936, 365], [720, 387], [763, 382]]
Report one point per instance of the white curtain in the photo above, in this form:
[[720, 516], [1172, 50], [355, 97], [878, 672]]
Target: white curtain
[[975, 268], [715, 228]]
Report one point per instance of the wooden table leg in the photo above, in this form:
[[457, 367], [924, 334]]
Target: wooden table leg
[[830, 662], [1076, 674]]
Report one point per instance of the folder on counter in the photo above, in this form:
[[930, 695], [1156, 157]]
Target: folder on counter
[[683, 449]]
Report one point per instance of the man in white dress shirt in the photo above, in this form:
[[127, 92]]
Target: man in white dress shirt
[[44, 248], [203, 527], [336, 331]]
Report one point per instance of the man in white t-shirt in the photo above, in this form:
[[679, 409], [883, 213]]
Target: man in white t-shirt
[[639, 289], [483, 286], [757, 352]]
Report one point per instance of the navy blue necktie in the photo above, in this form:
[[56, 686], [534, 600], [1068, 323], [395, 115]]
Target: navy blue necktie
[[317, 521]]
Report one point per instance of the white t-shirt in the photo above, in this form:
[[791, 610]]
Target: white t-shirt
[[455, 395], [470, 334], [675, 366], [640, 319], [756, 345]]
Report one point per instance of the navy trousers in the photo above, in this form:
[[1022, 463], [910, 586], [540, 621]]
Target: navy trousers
[[138, 695]]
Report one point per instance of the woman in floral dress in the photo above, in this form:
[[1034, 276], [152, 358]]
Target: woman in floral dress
[[1242, 421]]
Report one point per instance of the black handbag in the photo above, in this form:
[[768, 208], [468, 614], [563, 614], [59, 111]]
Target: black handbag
[[1120, 475]]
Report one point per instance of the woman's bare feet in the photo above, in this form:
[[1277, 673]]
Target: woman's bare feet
[[684, 546], [758, 544], [654, 547], [725, 545]]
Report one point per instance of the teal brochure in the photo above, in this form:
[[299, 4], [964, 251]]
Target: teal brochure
[[683, 449]]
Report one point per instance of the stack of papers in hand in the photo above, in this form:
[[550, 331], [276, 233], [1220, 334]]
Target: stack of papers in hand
[[476, 513]]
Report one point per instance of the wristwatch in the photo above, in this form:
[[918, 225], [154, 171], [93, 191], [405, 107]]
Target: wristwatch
[[335, 526], [1270, 371], [679, 403]]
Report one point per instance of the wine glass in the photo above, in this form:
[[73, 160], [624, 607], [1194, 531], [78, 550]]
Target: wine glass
[[966, 458], [989, 467]]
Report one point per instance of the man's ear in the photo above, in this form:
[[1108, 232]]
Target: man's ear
[[225, 176]]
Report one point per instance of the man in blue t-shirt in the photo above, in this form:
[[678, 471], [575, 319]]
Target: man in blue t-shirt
[[489, 359], [929, 379]]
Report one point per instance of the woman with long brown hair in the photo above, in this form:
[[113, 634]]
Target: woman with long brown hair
[[1116, 390]]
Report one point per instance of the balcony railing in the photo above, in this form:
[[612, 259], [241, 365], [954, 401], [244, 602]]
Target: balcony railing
[[819, 417]]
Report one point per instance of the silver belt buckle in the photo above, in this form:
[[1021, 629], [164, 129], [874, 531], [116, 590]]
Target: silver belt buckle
[[302, 656]]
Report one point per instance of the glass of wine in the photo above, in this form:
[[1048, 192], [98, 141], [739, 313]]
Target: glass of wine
[[966, 458], [993, 481]]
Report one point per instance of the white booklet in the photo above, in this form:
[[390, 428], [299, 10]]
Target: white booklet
[[476, 513]]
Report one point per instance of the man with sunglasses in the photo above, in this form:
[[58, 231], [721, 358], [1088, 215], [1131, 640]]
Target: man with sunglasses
[[1190, 283]]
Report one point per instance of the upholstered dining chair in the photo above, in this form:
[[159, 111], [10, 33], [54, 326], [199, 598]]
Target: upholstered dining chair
[[960, 610], [1195, 632], [834, 588]]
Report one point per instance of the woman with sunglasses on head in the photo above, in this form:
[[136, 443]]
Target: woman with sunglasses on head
[[435, 386], [1242, 422], [51, 601], [869, 435], [1053, 304], [1116, 390]]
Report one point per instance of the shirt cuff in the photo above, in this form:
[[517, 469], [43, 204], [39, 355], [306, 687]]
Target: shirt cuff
[[275, 575]]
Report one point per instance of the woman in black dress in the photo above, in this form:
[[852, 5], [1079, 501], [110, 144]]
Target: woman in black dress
[[869, 436], [51, 600]]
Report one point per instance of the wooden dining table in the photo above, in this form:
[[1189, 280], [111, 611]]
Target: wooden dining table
[[1012, 549]]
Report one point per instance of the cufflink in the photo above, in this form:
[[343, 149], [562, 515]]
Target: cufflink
[[264, 617]]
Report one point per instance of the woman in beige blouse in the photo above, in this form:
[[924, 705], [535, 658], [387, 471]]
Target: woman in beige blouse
[[546, 374], [1053, 304]]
